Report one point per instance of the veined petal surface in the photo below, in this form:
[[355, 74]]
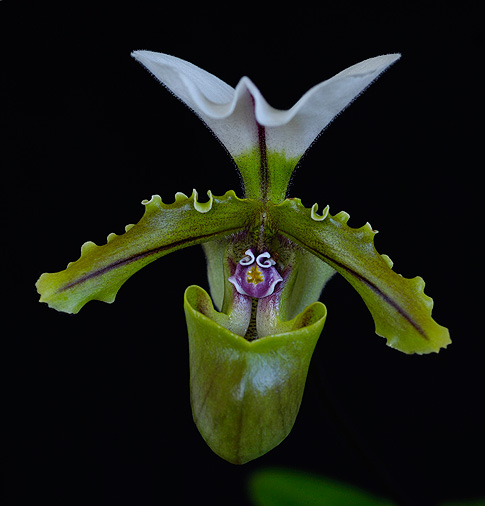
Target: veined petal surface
[[266, 143], [101, 270], [399, 306]]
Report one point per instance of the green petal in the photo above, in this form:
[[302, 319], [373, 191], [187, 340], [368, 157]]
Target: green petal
[[245, 395], [101, 270], [308, 278], [399, 306]]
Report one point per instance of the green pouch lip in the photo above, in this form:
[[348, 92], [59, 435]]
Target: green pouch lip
[[245, 395], [308, 319]]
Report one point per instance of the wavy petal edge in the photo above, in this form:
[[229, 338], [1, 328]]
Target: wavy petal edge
[[406, 331], [54, 288]]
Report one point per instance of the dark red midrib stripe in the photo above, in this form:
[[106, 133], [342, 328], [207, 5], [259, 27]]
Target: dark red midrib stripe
[[372, 286], [263, 157], [139, 256]]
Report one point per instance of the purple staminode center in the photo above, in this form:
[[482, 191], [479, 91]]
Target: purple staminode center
[[256, 276]]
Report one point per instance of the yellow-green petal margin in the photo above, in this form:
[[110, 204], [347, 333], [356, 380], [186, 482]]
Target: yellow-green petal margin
[[399, 306], [101, 270]]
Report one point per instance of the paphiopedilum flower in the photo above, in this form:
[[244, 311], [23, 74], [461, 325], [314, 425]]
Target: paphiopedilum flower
[[268, 258]]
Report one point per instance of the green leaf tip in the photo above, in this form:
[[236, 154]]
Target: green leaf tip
[[100, 271], [399, 306], [274, 487]]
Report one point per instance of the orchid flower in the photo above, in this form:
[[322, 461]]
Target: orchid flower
[[268, 259]]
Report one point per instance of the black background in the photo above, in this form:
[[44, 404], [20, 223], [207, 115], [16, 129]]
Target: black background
[[97, 405]]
